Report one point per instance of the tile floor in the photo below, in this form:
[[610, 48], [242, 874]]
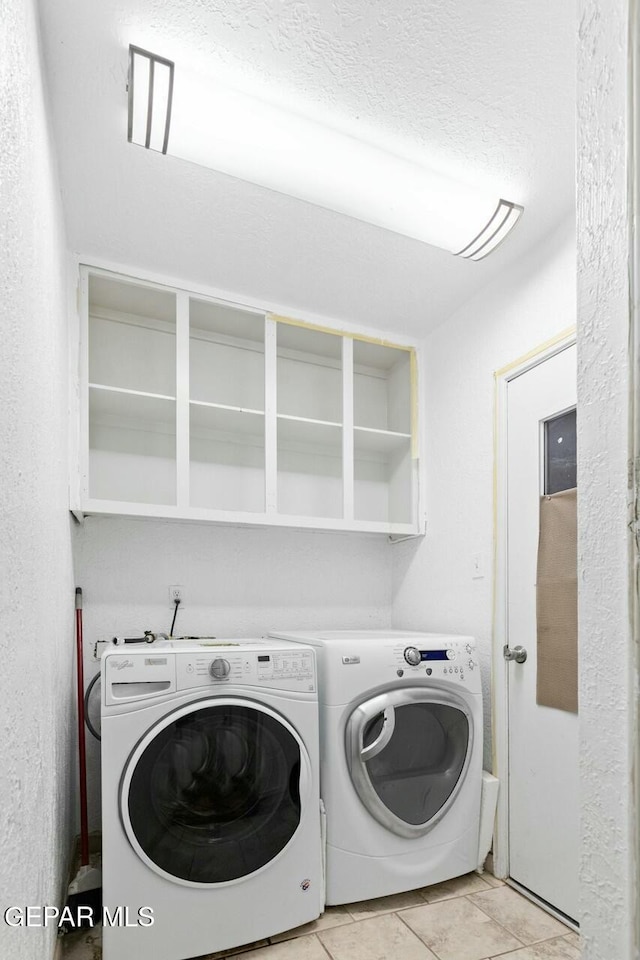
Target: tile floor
[[471, 918]]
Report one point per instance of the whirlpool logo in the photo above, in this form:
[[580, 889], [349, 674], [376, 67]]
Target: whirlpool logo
[[121, 664], [304, 886]]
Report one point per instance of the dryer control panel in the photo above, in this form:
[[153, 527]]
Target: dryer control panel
[[352, 662], [454, 662]]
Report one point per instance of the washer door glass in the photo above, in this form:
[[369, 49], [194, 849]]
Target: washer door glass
[[408, 752], [214, 795]]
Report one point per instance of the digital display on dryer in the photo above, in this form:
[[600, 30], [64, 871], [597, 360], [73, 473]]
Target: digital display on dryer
[[433, 655]]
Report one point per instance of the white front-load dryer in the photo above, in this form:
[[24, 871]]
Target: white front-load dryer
[[210, 797], [400, 759]]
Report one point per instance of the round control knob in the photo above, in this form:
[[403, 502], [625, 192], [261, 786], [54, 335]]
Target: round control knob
[[412, 656], [451, 654], [219, 668], [472, 664], [469, 648]]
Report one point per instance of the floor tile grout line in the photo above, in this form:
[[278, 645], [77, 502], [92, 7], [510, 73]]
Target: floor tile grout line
[[234, 952], [493, 920], [294, 936], [382, 913], [534, 943], [323, 947], [506, 953], [244, 953], [434, 952], [307, 933], [490, 957], [456, 896], [527, 946], [501, 925]]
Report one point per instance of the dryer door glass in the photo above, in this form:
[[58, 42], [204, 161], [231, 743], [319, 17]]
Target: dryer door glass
[[408, 759], [214, 795]]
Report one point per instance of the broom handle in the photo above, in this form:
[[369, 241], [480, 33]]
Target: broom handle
[[82, 752]]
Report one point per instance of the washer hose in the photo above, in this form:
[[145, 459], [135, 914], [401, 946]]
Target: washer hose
[[87, 718]]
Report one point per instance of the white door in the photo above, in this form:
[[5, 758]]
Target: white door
[[543, 741]]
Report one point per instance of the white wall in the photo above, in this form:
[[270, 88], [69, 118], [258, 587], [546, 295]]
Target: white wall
[[432, 579], [238, 582], [36, 584], [609, 894]]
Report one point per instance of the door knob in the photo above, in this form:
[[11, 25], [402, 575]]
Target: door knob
[[519, 654]]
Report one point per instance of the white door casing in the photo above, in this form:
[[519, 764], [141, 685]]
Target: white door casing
[[536, 748]]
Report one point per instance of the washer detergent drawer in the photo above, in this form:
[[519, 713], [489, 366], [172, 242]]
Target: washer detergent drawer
[[132, 678], [408, 753]]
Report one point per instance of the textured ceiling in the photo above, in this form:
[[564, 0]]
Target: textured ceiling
[[482, 90]]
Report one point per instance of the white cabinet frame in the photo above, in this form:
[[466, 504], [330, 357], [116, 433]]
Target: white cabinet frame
[[83, 503]]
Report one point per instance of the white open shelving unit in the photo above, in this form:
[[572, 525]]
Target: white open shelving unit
[[195, 408]]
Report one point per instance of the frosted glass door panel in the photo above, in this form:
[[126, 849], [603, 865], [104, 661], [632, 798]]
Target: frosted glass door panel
[[132, 447], [381, 387], [132, 336], [309, 469], [309, 373], [226, 355], [227, 459]]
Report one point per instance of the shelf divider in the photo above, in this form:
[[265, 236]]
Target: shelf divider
[[348, 483], [183, 425], [83, 366], [270, 417]]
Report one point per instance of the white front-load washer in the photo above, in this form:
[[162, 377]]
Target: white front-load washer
[[210, 797], [400, 758]]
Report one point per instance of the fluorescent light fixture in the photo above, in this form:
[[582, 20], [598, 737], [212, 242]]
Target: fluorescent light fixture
[[251, 139], [492, 235], [150, 95]]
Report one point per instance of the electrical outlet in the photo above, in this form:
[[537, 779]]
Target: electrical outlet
[[176, 592]]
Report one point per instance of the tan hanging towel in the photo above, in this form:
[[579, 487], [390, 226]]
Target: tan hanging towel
[[557, 602]]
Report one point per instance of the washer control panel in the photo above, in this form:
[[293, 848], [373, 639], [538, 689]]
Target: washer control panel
[[292, 669]]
